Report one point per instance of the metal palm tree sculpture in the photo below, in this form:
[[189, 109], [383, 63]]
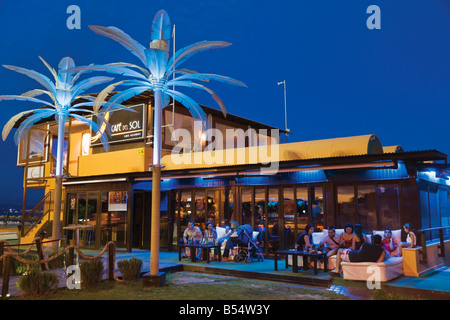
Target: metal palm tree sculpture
[[156, 76], [63, 93]]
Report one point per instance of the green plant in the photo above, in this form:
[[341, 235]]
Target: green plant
[[58, 262], [38, 282], [130, 269], [91, 273], [20, 268]]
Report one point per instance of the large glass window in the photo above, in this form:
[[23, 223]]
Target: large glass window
[[289, 215], [38, 149], [228, 206], [367, 206], [346, 205], [389, 206], [186, 210], [445, 215], [246, 205], [302, 209], [181, 121], [213, 207], [260, 207], [317, 208], [200, 209], [82, 210], [114, 217], [272, 223]]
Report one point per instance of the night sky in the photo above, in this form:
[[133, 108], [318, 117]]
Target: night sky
[[342, 78]]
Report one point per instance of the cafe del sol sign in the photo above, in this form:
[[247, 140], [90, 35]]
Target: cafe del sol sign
[[125, 125]]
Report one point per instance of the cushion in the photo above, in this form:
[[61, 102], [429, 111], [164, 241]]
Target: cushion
[[389, 269], [220, 232], [317, 237], [396, 234]]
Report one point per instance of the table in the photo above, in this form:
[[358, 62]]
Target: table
[[77, 228], [305, 254], [206, 250]]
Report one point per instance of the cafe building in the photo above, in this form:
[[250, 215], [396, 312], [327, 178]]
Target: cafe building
[[249, 176]]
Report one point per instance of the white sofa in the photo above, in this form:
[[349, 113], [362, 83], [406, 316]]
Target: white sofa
[[382, 271], [389, 269], [317, 238], [221, 232]]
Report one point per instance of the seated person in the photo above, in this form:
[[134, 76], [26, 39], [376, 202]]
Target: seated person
[[359, 238], [346, 238], [389, 244], [192, 235], [305, 240], [330, 244], [367, 253], [210, 238], [259, 241], [224, 238], [408, 238], [232, 239]]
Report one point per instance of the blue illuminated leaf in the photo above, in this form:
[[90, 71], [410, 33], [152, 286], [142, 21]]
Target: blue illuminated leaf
[[124, 39]]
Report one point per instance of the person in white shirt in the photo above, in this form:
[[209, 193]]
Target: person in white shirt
[[330, 244]]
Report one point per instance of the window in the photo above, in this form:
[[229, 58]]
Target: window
[[246, 205], [289, 214], [389, 206], [346, 211], [302, 208], [114, 218], [367, 206], [38, 150], [272, 216], [200, 210], [317, 208], [376, 206], [181, 121]]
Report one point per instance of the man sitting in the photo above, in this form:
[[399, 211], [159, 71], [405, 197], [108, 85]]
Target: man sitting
[[192, 235], [330, 244], [367, 253]]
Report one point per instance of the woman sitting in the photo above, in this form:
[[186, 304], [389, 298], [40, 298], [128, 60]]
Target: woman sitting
[[232, 239], [359, 238], [389, 244], [305, 240], [210, 238], [346, 238]]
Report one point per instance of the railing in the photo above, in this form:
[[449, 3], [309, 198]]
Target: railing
[[37, 214], [441, 246], [38, 242]]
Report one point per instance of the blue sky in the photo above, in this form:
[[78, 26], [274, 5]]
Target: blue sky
[[342, 78]]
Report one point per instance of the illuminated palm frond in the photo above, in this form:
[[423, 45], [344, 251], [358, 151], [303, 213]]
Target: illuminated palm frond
[[62, 93], [158, 71]]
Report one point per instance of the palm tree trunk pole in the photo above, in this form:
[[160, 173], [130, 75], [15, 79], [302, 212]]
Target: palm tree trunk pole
[[156, 185], [58, 183]]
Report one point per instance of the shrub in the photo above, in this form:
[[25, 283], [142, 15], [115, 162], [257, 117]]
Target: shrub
[[91, 273], [59, 262], [38, 282], [20, 268], [130, 269]]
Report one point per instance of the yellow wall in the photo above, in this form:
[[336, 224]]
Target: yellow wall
[[131, 160]]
